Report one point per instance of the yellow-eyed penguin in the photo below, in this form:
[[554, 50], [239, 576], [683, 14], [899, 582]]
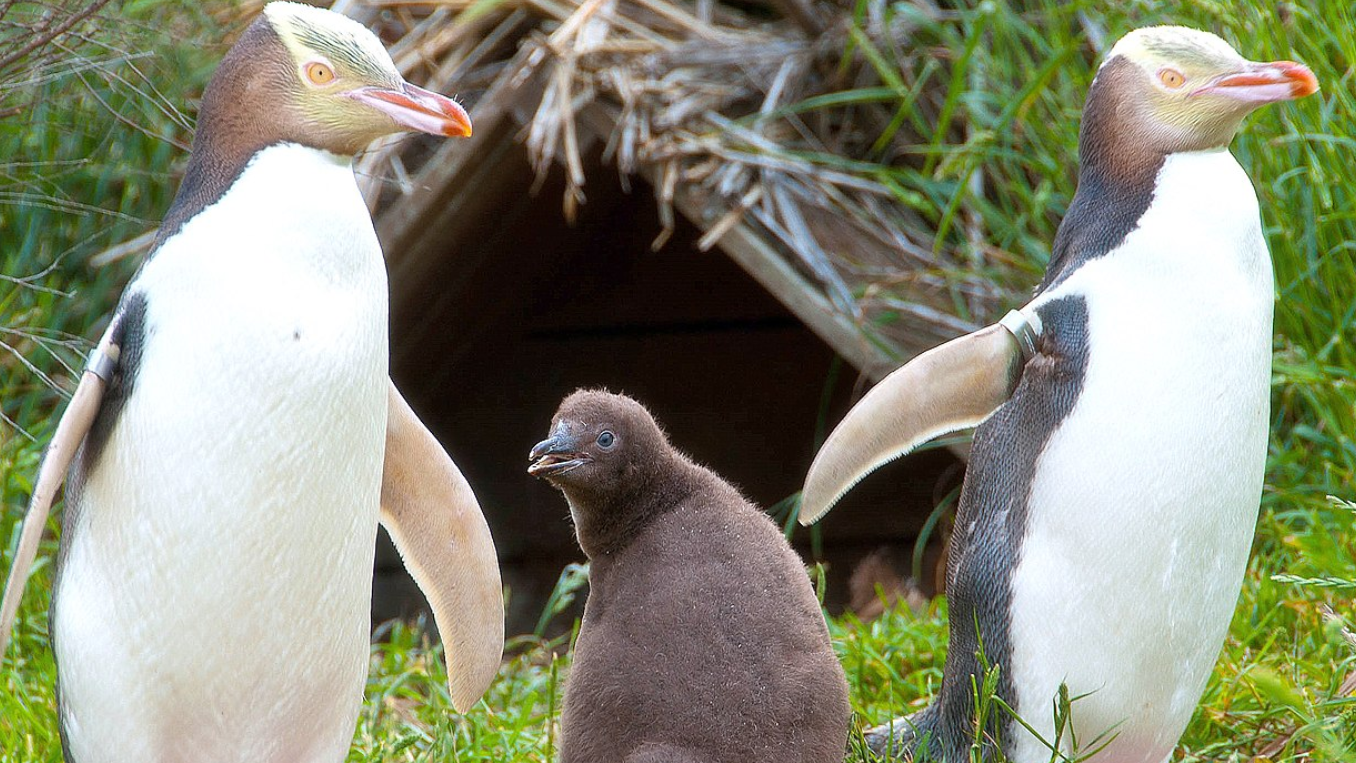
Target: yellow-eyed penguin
[[702, 639], [1116, 472], [213, 584]]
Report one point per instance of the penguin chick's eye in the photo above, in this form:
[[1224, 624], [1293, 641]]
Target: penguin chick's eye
[[319, 74], [1172, 78], [606, 440]]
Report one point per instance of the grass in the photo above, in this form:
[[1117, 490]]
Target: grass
[[77, 179]]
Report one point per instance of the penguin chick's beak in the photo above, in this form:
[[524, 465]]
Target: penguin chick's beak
[[556, 456], [1260, 84], [417, 109]]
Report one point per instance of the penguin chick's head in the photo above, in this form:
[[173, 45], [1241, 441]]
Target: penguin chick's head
[[599, 441], [1179, 89], [612, 461], [307, 75]]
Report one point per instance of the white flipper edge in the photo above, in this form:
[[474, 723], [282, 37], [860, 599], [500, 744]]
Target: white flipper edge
[[948, 388], [441, 533], [70, 433]]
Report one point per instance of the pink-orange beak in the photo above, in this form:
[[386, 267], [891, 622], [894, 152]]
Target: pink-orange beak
[[417, 109], [1266, 83]]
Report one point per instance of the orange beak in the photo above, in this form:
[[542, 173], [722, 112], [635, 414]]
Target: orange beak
[[1266, 83], [418, 110]]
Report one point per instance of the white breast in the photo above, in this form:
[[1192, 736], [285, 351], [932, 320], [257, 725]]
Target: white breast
[[1145, 498], [214, 602]]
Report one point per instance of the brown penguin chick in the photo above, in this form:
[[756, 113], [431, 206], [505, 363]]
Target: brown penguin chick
[[702, 640]]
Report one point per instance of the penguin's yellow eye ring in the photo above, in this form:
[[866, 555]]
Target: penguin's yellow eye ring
[[1171, 78], [319, 74]]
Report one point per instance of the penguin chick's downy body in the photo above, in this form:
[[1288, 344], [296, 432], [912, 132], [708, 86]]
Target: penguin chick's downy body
[[702, 640], [1109, 504], [213, 587]]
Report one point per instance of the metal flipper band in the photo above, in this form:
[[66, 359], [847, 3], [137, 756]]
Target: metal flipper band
[[1022, 330], [101, 364]]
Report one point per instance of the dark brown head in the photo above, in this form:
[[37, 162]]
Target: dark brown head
[[1167, 89], [311, 76], [612, 461], [305, 75], [1162, 90]]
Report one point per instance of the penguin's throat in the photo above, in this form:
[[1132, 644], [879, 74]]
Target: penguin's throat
[[607, 522]]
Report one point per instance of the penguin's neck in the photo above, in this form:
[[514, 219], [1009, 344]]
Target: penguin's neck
[[213, 171], [1110, 204], [246, 108], [1204, 220], [606, 523], [293, 215], [1202, 225], [1116, 181], [213, 168]]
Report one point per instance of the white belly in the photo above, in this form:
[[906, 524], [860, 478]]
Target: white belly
[[1145, 499], [214, 600]]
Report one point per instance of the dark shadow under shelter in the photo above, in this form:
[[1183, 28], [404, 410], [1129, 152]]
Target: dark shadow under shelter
[[522, 308]]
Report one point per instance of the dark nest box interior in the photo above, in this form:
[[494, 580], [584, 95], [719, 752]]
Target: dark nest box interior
[[511, 308]]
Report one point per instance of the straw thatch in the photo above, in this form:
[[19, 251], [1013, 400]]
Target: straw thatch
[[763, 124]]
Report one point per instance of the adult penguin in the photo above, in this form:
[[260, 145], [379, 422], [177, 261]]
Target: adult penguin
[[213, 589], [1113, 486]]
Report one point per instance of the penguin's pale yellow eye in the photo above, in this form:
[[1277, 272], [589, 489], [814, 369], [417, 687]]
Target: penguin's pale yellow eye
[[319, 74], [1172, 78]]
